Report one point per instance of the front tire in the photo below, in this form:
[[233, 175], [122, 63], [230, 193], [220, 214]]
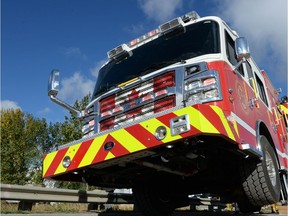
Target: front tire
[[260, 179]]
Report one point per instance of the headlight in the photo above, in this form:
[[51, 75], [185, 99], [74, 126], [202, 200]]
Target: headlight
[[211, 94], [202, 87], [192, 85]]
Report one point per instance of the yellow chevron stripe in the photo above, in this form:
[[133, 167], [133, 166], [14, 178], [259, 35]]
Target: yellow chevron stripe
[[48, 161], [282, 107], [235, 125], [127, 140], [224, 121], [71, 153], [197, 120], [109, 156], [152, 124], [92, 151]]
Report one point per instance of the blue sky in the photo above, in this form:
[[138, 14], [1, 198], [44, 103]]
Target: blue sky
[[75, 35]]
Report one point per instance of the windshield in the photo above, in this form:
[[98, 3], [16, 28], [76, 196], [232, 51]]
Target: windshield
[[199, 39]]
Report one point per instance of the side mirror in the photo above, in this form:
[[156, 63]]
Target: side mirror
[[53, 89], [53, 85], [242, 48]]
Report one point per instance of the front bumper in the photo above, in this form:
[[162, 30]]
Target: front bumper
[[137, 139]]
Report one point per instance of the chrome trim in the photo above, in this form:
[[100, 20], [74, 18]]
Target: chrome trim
[[199, 77], [251, 150]]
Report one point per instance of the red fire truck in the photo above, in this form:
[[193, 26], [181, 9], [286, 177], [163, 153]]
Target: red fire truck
[[183, 109]]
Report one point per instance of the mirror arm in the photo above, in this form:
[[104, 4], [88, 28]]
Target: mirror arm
[[66, 106], [239, 63]]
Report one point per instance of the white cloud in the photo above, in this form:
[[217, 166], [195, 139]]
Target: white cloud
[[44, 111], [135, 29], [94, 71], [8, 104], [75, 88], [160, 10], [264, 23], [75, 52]]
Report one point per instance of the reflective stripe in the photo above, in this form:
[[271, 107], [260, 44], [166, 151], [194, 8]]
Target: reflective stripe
[[127, 140], [152, 124], [92, 151], [282, 154], [243, 124], [71, 153], [224, 121], [48, 161], [109, 156], [198, 120]]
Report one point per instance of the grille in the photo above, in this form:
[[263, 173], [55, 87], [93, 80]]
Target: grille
[[141, 101]]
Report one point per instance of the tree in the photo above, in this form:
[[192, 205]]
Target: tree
[[25, 139], [22, 138]]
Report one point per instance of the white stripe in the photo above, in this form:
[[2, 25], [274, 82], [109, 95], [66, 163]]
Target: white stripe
[[282, 154], [243, 124]]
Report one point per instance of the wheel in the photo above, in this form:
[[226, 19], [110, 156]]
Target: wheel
[[154, 199], [260, 179]]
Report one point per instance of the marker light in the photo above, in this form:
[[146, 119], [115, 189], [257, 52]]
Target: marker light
[[160, 133], [66, 161]]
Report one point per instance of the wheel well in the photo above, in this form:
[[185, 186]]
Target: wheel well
[[263, 130]]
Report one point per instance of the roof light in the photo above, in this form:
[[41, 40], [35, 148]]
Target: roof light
[[193, 15], [143, 38], [171, 25], [120, 51]]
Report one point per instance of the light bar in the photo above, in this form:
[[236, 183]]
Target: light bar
[[119, 51], [143, 38], [193, 15], [171, 25]]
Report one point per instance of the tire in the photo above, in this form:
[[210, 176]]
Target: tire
[[260, 179], [154, 199]]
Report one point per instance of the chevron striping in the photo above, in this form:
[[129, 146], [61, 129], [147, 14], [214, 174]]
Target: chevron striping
[[127, 140], [92, 151], [152, 124], [109, 156], [47, 163], [198, 120], [54, 159], [71, 153], [224, 121]]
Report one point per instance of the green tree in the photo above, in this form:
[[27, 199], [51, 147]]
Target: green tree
[[25, 139], [22, 138], [51, 135]]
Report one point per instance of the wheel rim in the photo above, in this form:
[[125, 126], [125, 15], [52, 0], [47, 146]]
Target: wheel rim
[[271, 168]]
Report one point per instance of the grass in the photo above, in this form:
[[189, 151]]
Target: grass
[[45, 208]]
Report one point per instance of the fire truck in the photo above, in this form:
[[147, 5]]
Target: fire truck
[[183, 109]]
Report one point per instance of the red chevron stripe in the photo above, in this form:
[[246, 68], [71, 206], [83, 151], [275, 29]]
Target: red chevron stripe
[[143, 136], [80, 154], [215, 120], [165, 119], [118, 150]]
